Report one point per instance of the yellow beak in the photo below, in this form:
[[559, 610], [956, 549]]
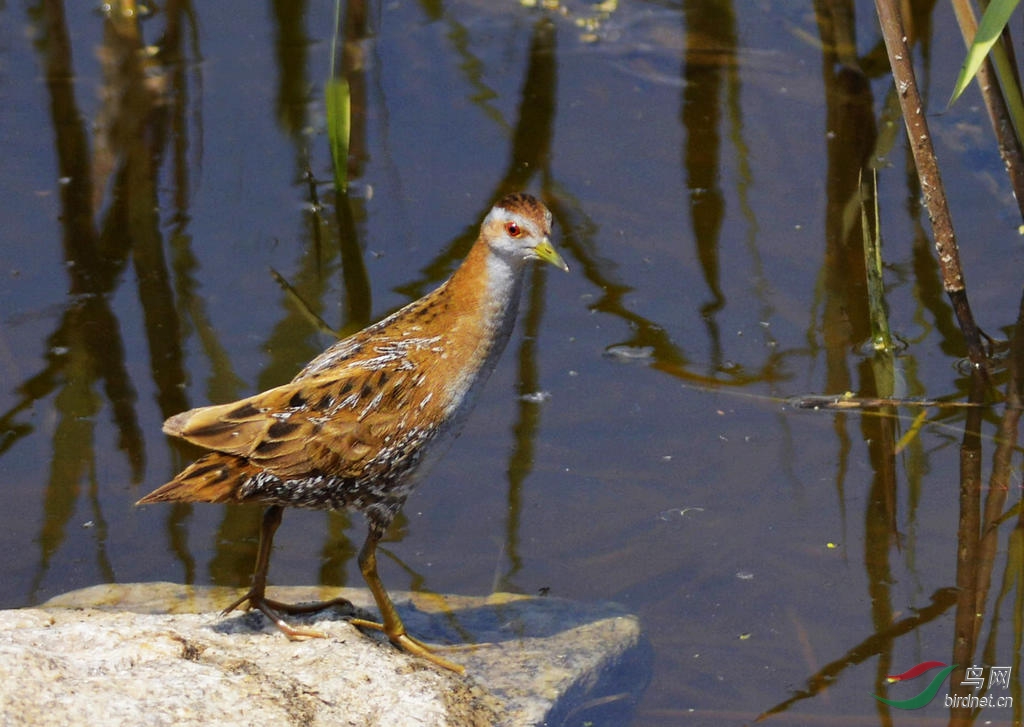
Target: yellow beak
[[546, 251]]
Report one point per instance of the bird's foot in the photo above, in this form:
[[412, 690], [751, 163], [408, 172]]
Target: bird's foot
[[273, 610], [409, 644]]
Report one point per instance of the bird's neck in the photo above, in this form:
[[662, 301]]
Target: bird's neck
[[486, 290]]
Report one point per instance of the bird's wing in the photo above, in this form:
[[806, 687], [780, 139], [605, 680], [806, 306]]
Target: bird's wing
[[327, 423]]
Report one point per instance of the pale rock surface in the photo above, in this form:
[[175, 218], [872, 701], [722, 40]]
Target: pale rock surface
[[160, 654]]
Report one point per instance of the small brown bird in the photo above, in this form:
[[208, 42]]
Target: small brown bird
[[357, 426]]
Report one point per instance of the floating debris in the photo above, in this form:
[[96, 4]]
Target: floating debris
[[677, 512], [629, 353]]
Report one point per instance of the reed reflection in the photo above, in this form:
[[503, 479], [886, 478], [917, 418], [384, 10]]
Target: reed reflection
[[900, 466], [109, 169]]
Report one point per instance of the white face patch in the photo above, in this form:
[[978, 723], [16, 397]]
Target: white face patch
[[516, 248]]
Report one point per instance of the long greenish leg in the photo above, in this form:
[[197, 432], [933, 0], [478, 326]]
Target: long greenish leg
[[256, 598], [392, 624]]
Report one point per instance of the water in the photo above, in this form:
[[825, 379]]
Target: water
[[637, 443]]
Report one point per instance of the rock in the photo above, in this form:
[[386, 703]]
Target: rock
[[160, 654]]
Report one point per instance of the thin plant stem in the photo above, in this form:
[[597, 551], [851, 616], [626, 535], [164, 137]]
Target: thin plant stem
[[927, 165]]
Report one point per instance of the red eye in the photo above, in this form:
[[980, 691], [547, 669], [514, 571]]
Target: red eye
[[513, 229]]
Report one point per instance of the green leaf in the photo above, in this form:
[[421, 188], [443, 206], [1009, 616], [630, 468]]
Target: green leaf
[[339, 111], [992, 24]]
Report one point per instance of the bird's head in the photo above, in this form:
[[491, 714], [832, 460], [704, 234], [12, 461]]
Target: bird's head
[[519, 227]]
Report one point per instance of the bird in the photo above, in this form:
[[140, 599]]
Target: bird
[[359, 425]]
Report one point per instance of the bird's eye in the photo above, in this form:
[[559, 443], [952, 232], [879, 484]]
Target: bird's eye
[[513, 229]]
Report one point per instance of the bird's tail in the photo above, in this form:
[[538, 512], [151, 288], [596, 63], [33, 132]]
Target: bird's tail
[[216, 477]]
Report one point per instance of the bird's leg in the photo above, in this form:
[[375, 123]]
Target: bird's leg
[[391, 624], [256, 595]]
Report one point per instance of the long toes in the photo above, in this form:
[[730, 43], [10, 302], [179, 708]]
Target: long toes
[[294, 633], [409, 644], [297, 633], [298, 608], [364, 624], [416, 647], [249, 598], [270, 609]]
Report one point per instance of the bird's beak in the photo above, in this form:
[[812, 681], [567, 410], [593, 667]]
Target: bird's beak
[[546, 251]]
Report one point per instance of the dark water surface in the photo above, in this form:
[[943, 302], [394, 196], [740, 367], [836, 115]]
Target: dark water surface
[[636, 443]]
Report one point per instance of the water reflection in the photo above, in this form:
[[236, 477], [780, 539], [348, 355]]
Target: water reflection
[[108, 200]]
